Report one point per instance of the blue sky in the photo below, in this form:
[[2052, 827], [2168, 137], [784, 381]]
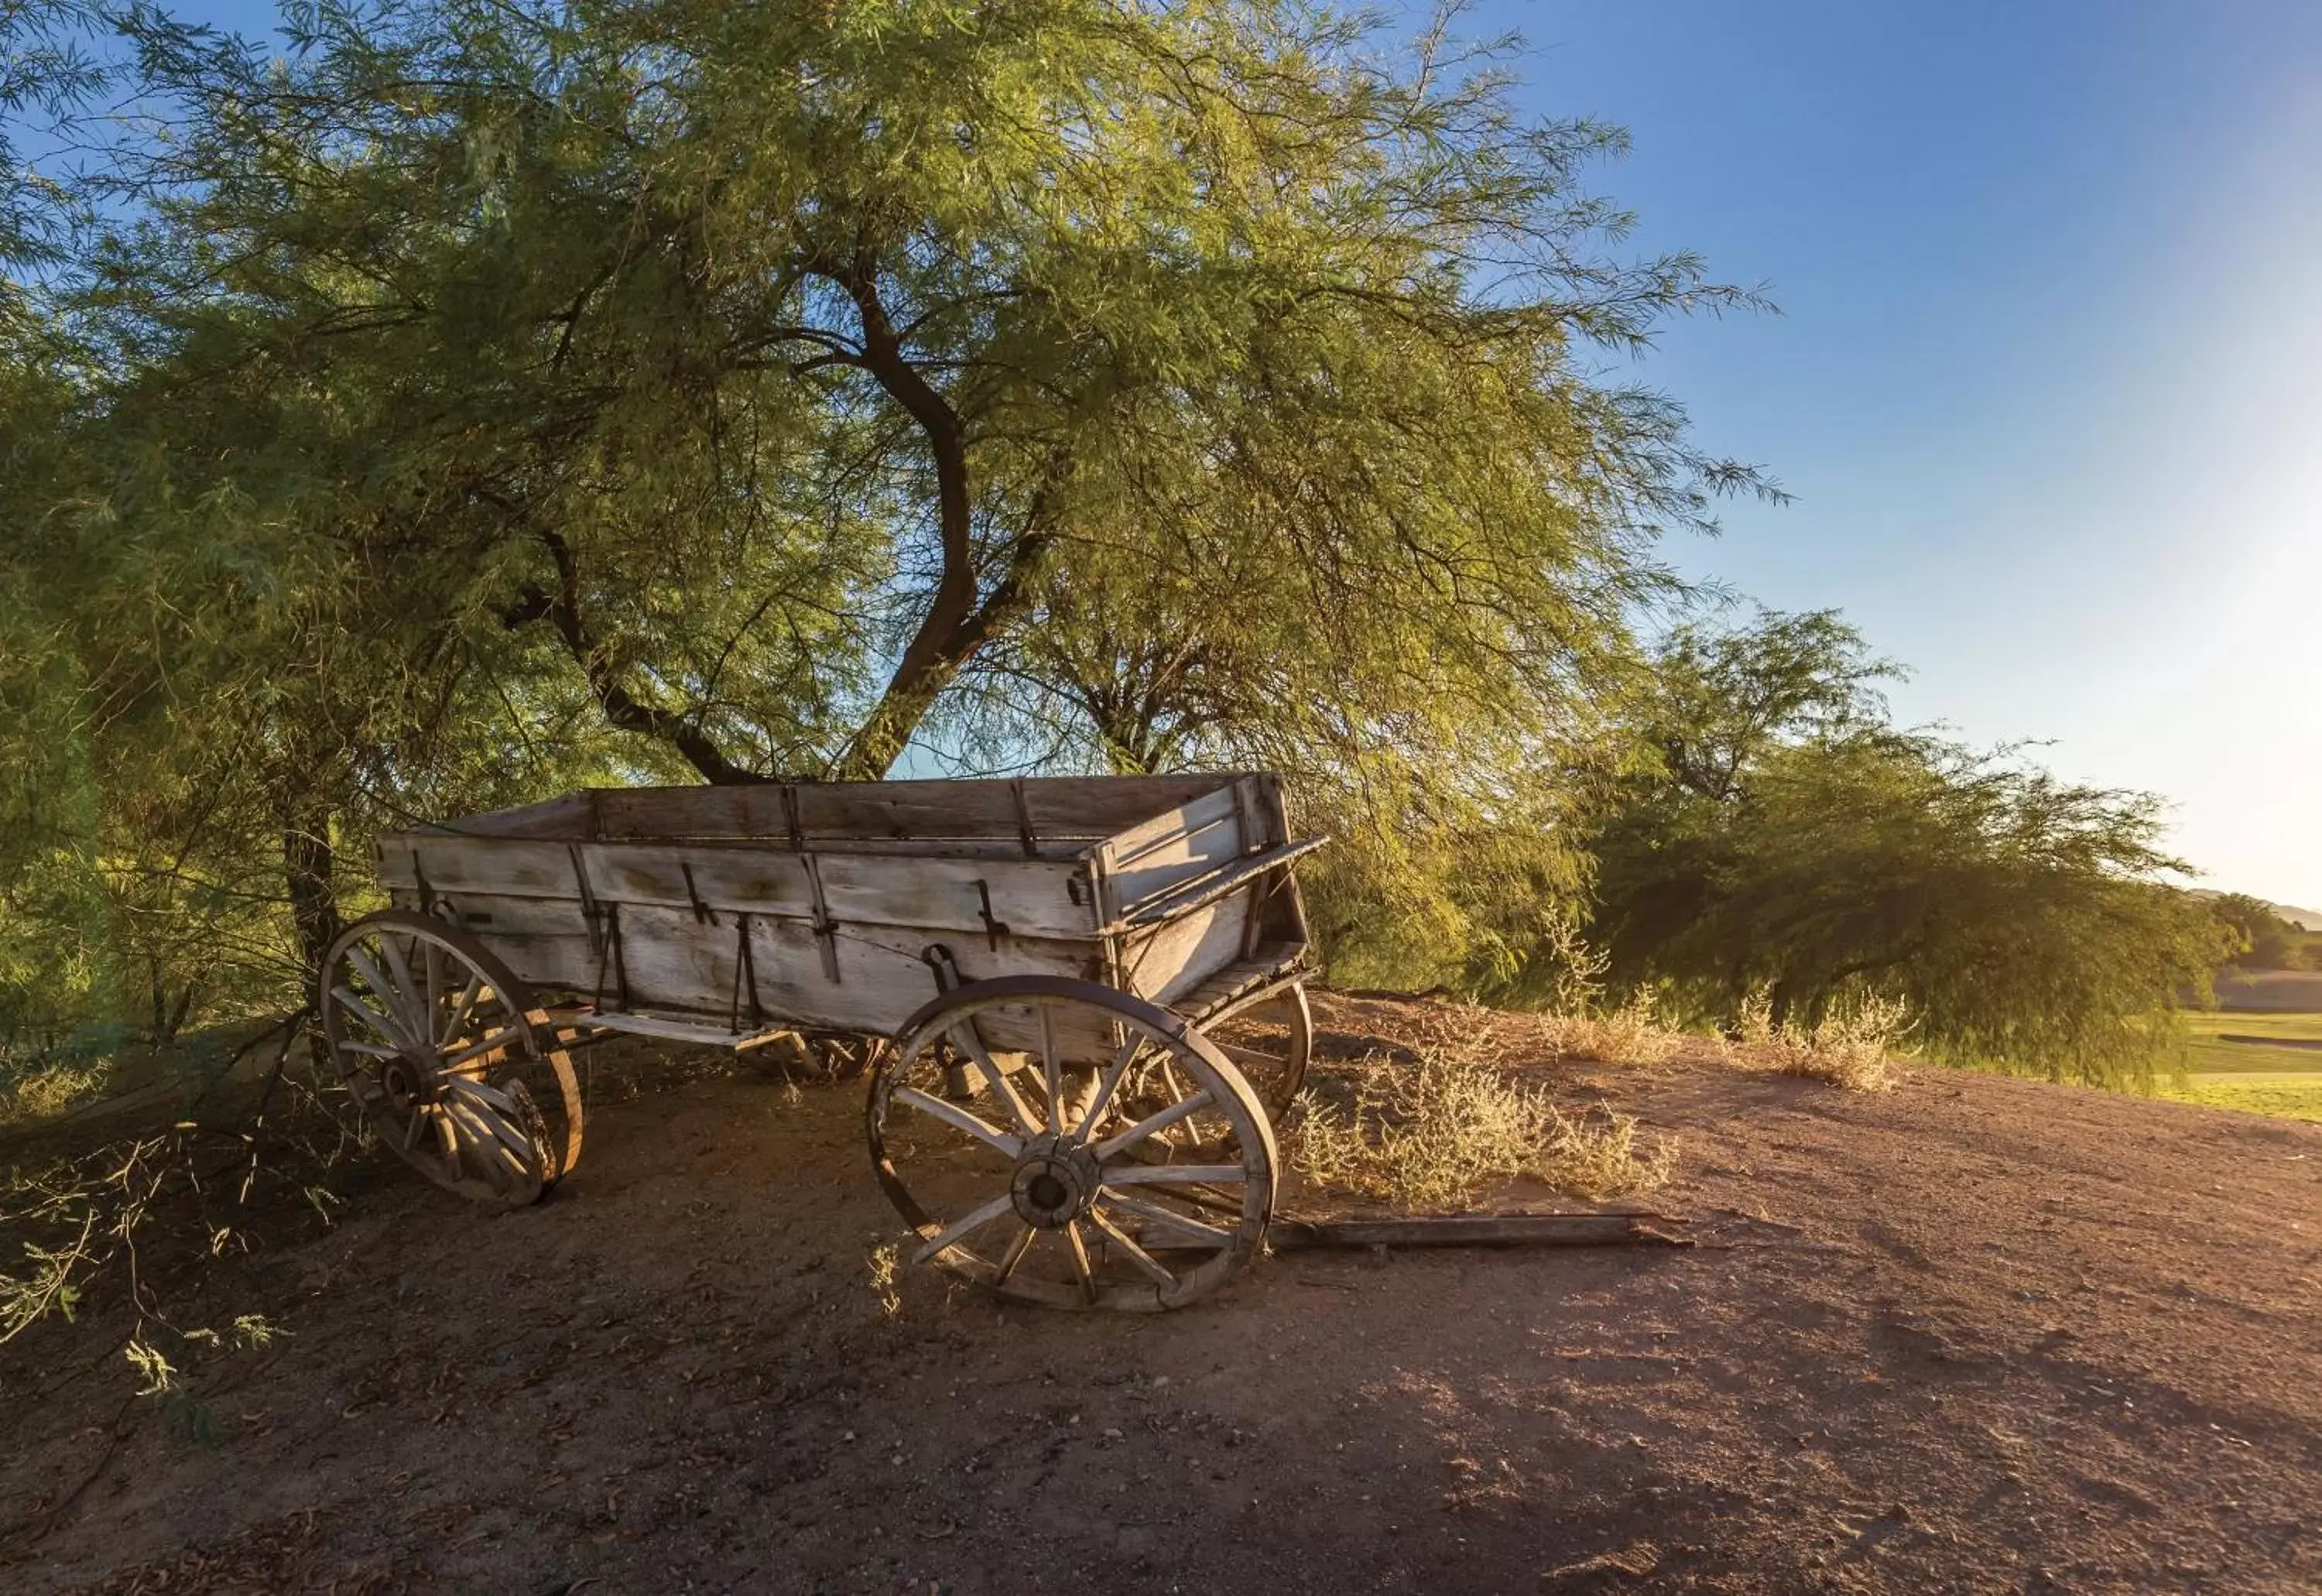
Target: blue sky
[[2047, 383]]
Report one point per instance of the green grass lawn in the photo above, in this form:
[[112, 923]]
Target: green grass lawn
[[2286, 1096], [2304, 1026], [2250, 1076]]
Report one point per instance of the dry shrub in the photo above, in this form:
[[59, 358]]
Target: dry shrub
[[1627, 1036], [1849, 1047], [49, 1091], [1429, 1133]]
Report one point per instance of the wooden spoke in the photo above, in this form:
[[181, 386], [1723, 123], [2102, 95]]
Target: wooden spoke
[[1145, 1262], [483, 1109], [476, 1050], [1183, 1109], [457, 1025], [432, 963], [996, 1082], [382, 1019], [1208, 1235], [1108, 1084], [1269, 1037], [1052, 1074], [372, 1049], [959, 1119], [1081, 1262], [1175, 1174], [1014, 1256], [404, 992], [973, 1222]]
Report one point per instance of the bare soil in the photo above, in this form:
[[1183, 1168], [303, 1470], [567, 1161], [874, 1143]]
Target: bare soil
[[1967, 1334]]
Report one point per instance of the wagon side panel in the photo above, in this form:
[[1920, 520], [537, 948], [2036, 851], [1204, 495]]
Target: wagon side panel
[[1181, 845], [882, 978], [1165, 963]]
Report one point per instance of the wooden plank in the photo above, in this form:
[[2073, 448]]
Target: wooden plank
[[752, 877], [1477, 1230], [882, 978], [513, 866], [1177, 957], [570, 818], [490, 914], [650, 813], [1078, 809], [546, 959], [668, 960], [1204, 889], [675, 967], [1164, 853], [1040, 898], [649, 1025]]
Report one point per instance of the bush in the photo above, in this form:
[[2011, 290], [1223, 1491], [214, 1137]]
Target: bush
[[1431, 1133], [1849, 1047]]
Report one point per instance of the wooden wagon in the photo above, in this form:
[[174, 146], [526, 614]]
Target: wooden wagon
[[1088, 992]]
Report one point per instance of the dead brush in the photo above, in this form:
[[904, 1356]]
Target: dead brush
[[1429, 1133], [1851, 1046], [1630, 1034]]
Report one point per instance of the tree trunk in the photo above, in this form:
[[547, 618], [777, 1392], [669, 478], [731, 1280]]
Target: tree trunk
[[308, 874]]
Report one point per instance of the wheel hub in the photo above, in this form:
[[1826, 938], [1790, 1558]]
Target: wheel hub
[[1052, 1184], [405, 1084]]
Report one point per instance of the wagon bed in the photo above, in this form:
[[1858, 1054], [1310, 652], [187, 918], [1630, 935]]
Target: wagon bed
[[713, 914]]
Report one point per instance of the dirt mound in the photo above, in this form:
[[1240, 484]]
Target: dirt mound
[[1969, 1334]]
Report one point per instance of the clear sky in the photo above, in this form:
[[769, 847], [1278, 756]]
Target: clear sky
[[2047, 383]]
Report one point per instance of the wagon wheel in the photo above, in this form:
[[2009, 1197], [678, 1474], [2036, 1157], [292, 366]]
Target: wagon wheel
[[1037, 1180], [1269, 1038], [450, 1058]]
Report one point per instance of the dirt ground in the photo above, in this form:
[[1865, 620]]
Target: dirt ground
[[1967, 1334]]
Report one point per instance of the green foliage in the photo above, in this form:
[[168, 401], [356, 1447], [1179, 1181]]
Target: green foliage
[[482, 398], [1789, 838], [2257, 935]]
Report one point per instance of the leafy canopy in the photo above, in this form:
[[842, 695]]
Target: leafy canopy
[[1788, 839]]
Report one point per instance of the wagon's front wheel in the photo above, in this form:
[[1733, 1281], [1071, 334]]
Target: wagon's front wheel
[[449, 1059], [1062, 1142]]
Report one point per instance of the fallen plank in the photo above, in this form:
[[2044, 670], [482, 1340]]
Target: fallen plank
[[1477, 1230]]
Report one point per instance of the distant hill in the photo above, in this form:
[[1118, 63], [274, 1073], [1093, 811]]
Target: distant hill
[[2305, 919]]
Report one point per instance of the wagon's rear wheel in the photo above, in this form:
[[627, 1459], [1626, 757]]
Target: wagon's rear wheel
[[1062, 1142], [1269, 1038], [449, 1058]]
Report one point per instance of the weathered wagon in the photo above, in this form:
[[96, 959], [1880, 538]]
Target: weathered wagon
[[1090, 992]]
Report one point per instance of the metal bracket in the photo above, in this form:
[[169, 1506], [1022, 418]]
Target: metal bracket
[[590, 910], [703, 915], [993, 929], [745, 976], [1024, 833], [959, 1075], [938, 959], [609, 950], [419, 877], [826, 929]]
